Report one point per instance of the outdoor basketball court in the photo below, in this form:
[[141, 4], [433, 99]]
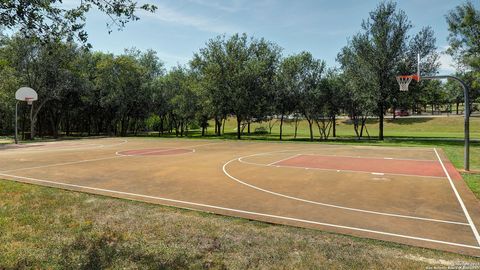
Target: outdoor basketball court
[[405, 195]]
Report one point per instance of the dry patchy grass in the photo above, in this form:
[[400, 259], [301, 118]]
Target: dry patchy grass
[[49, 228]]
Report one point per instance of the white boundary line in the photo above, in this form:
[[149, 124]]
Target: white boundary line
[[243, 211], [366, 157], [60, 164], [273, 165], [465, 211], [95, 159], [119, 153], [332, 205], [287, 158], [37, 150], [192, 148]]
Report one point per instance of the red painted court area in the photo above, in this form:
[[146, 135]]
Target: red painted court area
[[429, 168]]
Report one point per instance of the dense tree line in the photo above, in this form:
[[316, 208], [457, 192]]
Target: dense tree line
[[240, 77]]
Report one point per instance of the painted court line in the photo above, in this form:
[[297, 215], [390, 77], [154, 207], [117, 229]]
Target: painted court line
[[365, 157], [244, 212], [24, 151], [119, 153], [84, 161], [61, 164], [165, 150], [335, 170], [333, 205], [465, 211], [287, 158]]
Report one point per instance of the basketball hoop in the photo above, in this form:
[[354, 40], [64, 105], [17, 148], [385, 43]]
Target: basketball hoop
[[29, 100], [28, 95], [404, 81]]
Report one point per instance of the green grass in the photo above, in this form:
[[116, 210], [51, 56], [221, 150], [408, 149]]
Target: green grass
[[47, 228], [473, 182], [433, 127]]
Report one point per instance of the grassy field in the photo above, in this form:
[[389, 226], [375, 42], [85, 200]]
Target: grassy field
[[428, 127], [46, 228]]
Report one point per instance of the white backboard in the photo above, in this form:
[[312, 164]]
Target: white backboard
[[26, 94]]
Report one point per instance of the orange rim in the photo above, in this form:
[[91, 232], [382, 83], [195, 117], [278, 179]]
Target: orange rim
[[413, 77]]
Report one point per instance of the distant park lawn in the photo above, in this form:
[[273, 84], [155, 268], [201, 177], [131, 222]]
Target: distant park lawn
[[435, 127]]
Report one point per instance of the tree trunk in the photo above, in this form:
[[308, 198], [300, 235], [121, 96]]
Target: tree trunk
[[281, 126], [311, 129], [160, 131], [296, 127], [67, 123], [248, 127], [380, 124], [239, 131], [219, 126], [223, 126], [457, 107], [334, 123]]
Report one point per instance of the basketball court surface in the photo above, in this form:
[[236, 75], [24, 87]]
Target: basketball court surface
[[407, 195]]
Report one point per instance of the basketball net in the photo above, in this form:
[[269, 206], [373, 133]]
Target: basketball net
[[403, 82]]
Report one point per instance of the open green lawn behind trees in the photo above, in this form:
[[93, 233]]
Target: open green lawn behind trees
[[415, 128]]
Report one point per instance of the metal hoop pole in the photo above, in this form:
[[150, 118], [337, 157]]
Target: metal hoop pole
[[466, 93], [16, 122]]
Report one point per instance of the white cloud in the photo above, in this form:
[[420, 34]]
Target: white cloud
[[169, 15], [232, 6], [447, 64], [171, 60]]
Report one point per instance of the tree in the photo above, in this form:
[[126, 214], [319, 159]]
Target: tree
[[334, 95], [359, 86], [120, 82], [179, 88], [464, 26], [310, 76], [381, 46], [286, 96], [211, 67], [239, 73], [48, 19]]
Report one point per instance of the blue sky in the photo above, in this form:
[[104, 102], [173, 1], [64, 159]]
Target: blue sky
[[179, 28]]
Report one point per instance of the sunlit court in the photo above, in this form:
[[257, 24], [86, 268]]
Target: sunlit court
[[407, 195]]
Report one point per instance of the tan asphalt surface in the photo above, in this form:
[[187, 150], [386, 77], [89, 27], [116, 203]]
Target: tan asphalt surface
[[256, 180]]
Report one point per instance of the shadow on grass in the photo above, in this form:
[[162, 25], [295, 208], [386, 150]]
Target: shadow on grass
[[408, 121], [103, 250]]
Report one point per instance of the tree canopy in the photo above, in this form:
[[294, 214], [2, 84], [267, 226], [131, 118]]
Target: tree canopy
[[238, 77]]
